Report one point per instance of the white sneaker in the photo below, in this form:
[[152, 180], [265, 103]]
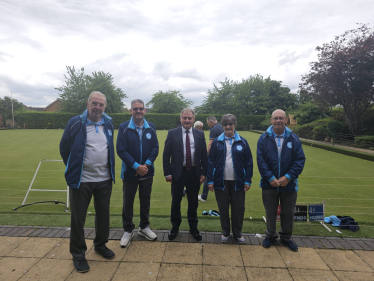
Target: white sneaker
[[126, 239], [147, 233], [201, 199]]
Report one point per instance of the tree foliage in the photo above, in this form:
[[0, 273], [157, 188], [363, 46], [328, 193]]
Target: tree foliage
[[168, 102], [74, 94], [6, 108], [344, 74], [255, 95]]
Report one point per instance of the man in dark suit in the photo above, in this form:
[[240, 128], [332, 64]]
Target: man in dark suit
[[185, 161]]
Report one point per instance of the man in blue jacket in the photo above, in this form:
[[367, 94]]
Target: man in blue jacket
[[280, 160], [87, 150], [137, 146]]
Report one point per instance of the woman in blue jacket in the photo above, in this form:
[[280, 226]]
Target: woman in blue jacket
[[230, 169]]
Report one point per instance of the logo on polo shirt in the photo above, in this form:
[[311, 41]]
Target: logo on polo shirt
[[289, 145], [239, 147], [148, 135], [110, 132]]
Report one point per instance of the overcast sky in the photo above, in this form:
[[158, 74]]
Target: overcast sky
[[149, 46]]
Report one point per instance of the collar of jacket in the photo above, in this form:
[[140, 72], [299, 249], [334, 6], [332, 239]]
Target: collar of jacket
[[221, 137], [83, 117], [269, 131], [132, 124]]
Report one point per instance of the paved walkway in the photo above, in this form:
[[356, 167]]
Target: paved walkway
[[31, 253]]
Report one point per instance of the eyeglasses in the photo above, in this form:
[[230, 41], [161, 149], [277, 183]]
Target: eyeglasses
[[278, 118], [138, 108], [227, 124], [187, 118]]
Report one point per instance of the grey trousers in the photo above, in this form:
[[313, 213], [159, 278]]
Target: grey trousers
[[271, 199], [129, 191], [235, 198], [79, 201]]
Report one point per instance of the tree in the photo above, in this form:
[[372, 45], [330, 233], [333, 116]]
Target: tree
[[6, 108], [168, 102], [344, 74], [254, 95], [74, 94]]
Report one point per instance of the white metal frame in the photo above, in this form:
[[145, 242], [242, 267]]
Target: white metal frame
[[52, 190]]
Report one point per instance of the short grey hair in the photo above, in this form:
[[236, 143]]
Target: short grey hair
[[211, 118], [137, 101], [198, 123], [96, 93], [229, 118], [187, 110]]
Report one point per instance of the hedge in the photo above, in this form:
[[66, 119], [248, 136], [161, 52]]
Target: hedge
[[56, 120], [352, 153]]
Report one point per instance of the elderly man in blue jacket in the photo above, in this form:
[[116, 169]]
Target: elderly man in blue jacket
[[137, 146], [87, 150], [280, 160]]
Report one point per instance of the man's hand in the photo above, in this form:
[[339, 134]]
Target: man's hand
[[211, 187], [247, 187], [283, 181], [202, 179], [142, 170], [169, 179], [274, 183]]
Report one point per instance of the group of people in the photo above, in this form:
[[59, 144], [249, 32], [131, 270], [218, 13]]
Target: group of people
[[225, 167]]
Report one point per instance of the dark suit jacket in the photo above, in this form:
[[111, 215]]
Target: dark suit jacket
[[174, 150]]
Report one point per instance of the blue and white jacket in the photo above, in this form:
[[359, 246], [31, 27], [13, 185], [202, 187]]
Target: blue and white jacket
[[73, 147], [290, 163], [241, 157], [135, 151]]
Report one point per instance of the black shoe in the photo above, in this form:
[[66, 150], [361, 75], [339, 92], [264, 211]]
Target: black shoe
[[268, 242], [196, 234], [81, 266], [173, 233], [105, 253], [290, 245]]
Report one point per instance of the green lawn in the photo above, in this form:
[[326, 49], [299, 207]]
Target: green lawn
[[344, 182]]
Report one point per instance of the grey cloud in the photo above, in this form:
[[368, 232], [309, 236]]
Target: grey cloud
[[291, 57], [163, 69], [30, 95]]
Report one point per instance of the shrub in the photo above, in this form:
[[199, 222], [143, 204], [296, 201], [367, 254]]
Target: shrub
[[364, 141], [319, 133]]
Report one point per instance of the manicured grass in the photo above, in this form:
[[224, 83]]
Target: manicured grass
[[344, 182]]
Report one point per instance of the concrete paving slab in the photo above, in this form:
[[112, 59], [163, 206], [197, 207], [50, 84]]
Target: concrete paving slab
[[368, 257], [356, 276], [102, 271], [61, 251], [35, 247], [220, 273], [344, 260], [306, 258], [145, 251], [257, 256], [183, 253], [217, 254], [8, 244], [266, 274], [113, 245], [312, 275], [137, 271], [49, 269], [12, 268], [180, 272]]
